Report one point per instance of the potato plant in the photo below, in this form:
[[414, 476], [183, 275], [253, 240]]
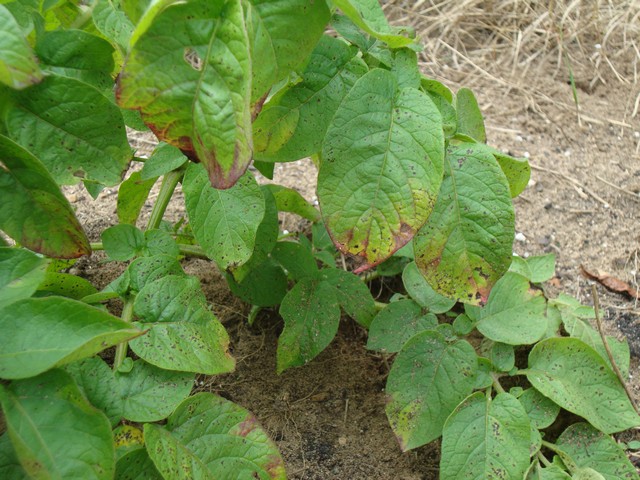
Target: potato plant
[[406, 185]]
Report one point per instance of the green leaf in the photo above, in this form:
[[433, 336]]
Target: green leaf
[[203, 107], [405, 68], [541, 410], [517, 171], [172, 459], [418, 288], [98, 383], [113, 23], [9, 464], [486, 438], [163, 160], [20, 274], [132, 195], [296, 259], [442, 97], [186, 335], [224, 222], [352, 294], [368, 15], [150, 394], [148, 269], [82, 138], [241, 449], [265, 285], [535, 269], [502, 356], [38, 208], [588, 447], [397, 323], [74, 330], [587, 474], [122, 242], [381, 162], [470, 121], [56, 433], [514, 314], [465, 246], [293, 123], [18, 64], [283, 34], [65, 285], [289, 200], [159, 242], [429, 377], [574, 376], [575, 320], [311, 316], [78, 54], [136, 465]]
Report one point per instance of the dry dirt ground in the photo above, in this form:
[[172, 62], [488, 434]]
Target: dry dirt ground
[[582, 205]]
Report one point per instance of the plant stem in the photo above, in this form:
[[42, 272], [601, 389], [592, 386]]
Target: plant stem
[[380, 305], [496, 383], [544, 460], [121, 348], [192, 251], [596, 308], [169, 183]]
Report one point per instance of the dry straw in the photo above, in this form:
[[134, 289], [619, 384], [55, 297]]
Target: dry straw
[[510, 41]]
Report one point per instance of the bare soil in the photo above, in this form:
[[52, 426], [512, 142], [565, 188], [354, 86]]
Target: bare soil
[[582, 205]]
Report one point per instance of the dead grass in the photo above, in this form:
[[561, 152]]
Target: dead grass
[[511, 41]]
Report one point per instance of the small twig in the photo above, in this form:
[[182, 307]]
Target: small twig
[[346, 410], [580, 188], [596, 307], [620, 189]]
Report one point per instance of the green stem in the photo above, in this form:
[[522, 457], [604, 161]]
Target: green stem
[[169, 183], [96, 246], [381, 305], [369, 276], [543, 460], [192, 251], [496, 383], [121, 348]]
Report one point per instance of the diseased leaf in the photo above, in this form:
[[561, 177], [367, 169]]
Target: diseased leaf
[[296, 259], [18, 65], [418, 288], [575, 377], [72, 128], [587, 447], [136, 465], [465, 246], [541, 410], [514, 313], [293, 123], [149, 393], [20, 274], [311, 316], [132, 195], [38, 208], [397, 323], [65, 285], [122, 242], [171, 458], [113, 23], [242, 448], [382, 163], [224, 222], [98, 383], [352, 294], [486, 438], [283, 34], [203, 107], [186, 336], [56, 433], [74, 330], [252, 288], [428, 379], [368, 15]]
